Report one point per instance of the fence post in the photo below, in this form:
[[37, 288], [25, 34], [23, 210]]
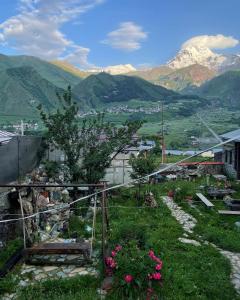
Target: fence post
[[23, 221]]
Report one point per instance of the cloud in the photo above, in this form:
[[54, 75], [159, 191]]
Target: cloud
[[127, 37], [36, 29], [212, 41]]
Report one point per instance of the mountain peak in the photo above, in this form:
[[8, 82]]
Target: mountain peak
[[196, 55]]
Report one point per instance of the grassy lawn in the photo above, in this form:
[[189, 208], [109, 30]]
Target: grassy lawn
[[189, 272], [216, 228]]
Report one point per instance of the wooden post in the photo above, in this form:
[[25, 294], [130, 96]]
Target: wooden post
[[93, 225], [103, 230], [23, 221]]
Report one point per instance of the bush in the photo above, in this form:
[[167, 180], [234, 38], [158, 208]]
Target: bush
[[130, 231], [136, 273]]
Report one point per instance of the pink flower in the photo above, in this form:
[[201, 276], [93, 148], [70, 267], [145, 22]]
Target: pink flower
[[156, 276], [114, 253], [158, 266], [151, 254], [118, 248], [108, 260], [128, 278]]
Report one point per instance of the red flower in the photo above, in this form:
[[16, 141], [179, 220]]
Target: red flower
[[159, 266], [151, 254], [156, 276], [118, 248], [114, 253], [128, 278]]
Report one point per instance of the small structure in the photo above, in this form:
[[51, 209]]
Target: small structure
[[231, 154], [5, 137], [146, 145]]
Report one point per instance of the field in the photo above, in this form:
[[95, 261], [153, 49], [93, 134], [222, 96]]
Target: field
[[178, 129]]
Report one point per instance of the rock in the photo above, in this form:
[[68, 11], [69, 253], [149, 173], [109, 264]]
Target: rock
[[187, 241], [49, 268], [107, 284]]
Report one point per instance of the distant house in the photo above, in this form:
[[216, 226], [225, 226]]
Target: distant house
[[231, 153], [5, 137], [146, 145]]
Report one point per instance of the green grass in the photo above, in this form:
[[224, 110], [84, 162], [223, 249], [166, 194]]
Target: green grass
[[9, 250], [189, 272], [80, 287], [216, 228]]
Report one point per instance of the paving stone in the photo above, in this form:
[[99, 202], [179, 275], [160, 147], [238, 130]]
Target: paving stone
[[49, 268], [187, 241]]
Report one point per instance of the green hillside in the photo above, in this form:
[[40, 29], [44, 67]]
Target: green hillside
[[224, 89], [22, 89], [50, 72], [102, 89]]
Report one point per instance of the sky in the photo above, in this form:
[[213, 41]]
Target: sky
[[98, 33]]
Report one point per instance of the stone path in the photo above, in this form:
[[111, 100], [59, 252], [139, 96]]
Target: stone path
[[29, 274], [188, 223]]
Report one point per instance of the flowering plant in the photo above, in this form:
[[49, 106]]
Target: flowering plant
[[135, 272]]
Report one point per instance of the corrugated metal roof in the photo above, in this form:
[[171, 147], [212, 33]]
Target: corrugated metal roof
[[232, 135], [5, 136]]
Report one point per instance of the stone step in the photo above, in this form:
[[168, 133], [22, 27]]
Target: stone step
[[57, 260]]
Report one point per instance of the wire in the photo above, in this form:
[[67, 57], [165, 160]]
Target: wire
[[131, 181]]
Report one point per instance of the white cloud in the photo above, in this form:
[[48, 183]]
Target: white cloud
[[212, 41], [36, 30], [127, 37]]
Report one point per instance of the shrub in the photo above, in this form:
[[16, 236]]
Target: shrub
[[136, 273], [129, 231]]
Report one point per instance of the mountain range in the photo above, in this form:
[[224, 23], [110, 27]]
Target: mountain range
[[195, 73]]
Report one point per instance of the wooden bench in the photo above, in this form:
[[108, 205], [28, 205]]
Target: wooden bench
[[229, 212], [204, 200], [60, 248]]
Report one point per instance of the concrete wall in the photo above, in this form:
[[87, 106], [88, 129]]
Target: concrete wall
[[18, 157]]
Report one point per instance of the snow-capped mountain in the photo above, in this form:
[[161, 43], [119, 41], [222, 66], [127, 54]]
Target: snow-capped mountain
[[204, 56], [114, 70]]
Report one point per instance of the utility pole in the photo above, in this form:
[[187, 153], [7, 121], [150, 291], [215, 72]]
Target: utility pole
[[22, 128], [163, 146]]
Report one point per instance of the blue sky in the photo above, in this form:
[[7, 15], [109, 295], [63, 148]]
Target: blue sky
[[91, 33]]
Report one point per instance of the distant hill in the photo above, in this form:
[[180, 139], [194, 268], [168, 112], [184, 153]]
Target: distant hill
[[225, 88], [50, 72], [178, 79], [103, 90], [70, 68], [152, 74], [22, 89], [194, 75]]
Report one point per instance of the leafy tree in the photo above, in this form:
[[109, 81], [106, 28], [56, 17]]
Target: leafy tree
[[88, 147], [143, 164]]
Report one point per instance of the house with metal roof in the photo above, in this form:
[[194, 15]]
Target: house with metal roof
[[5, 137], [231, 153]]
